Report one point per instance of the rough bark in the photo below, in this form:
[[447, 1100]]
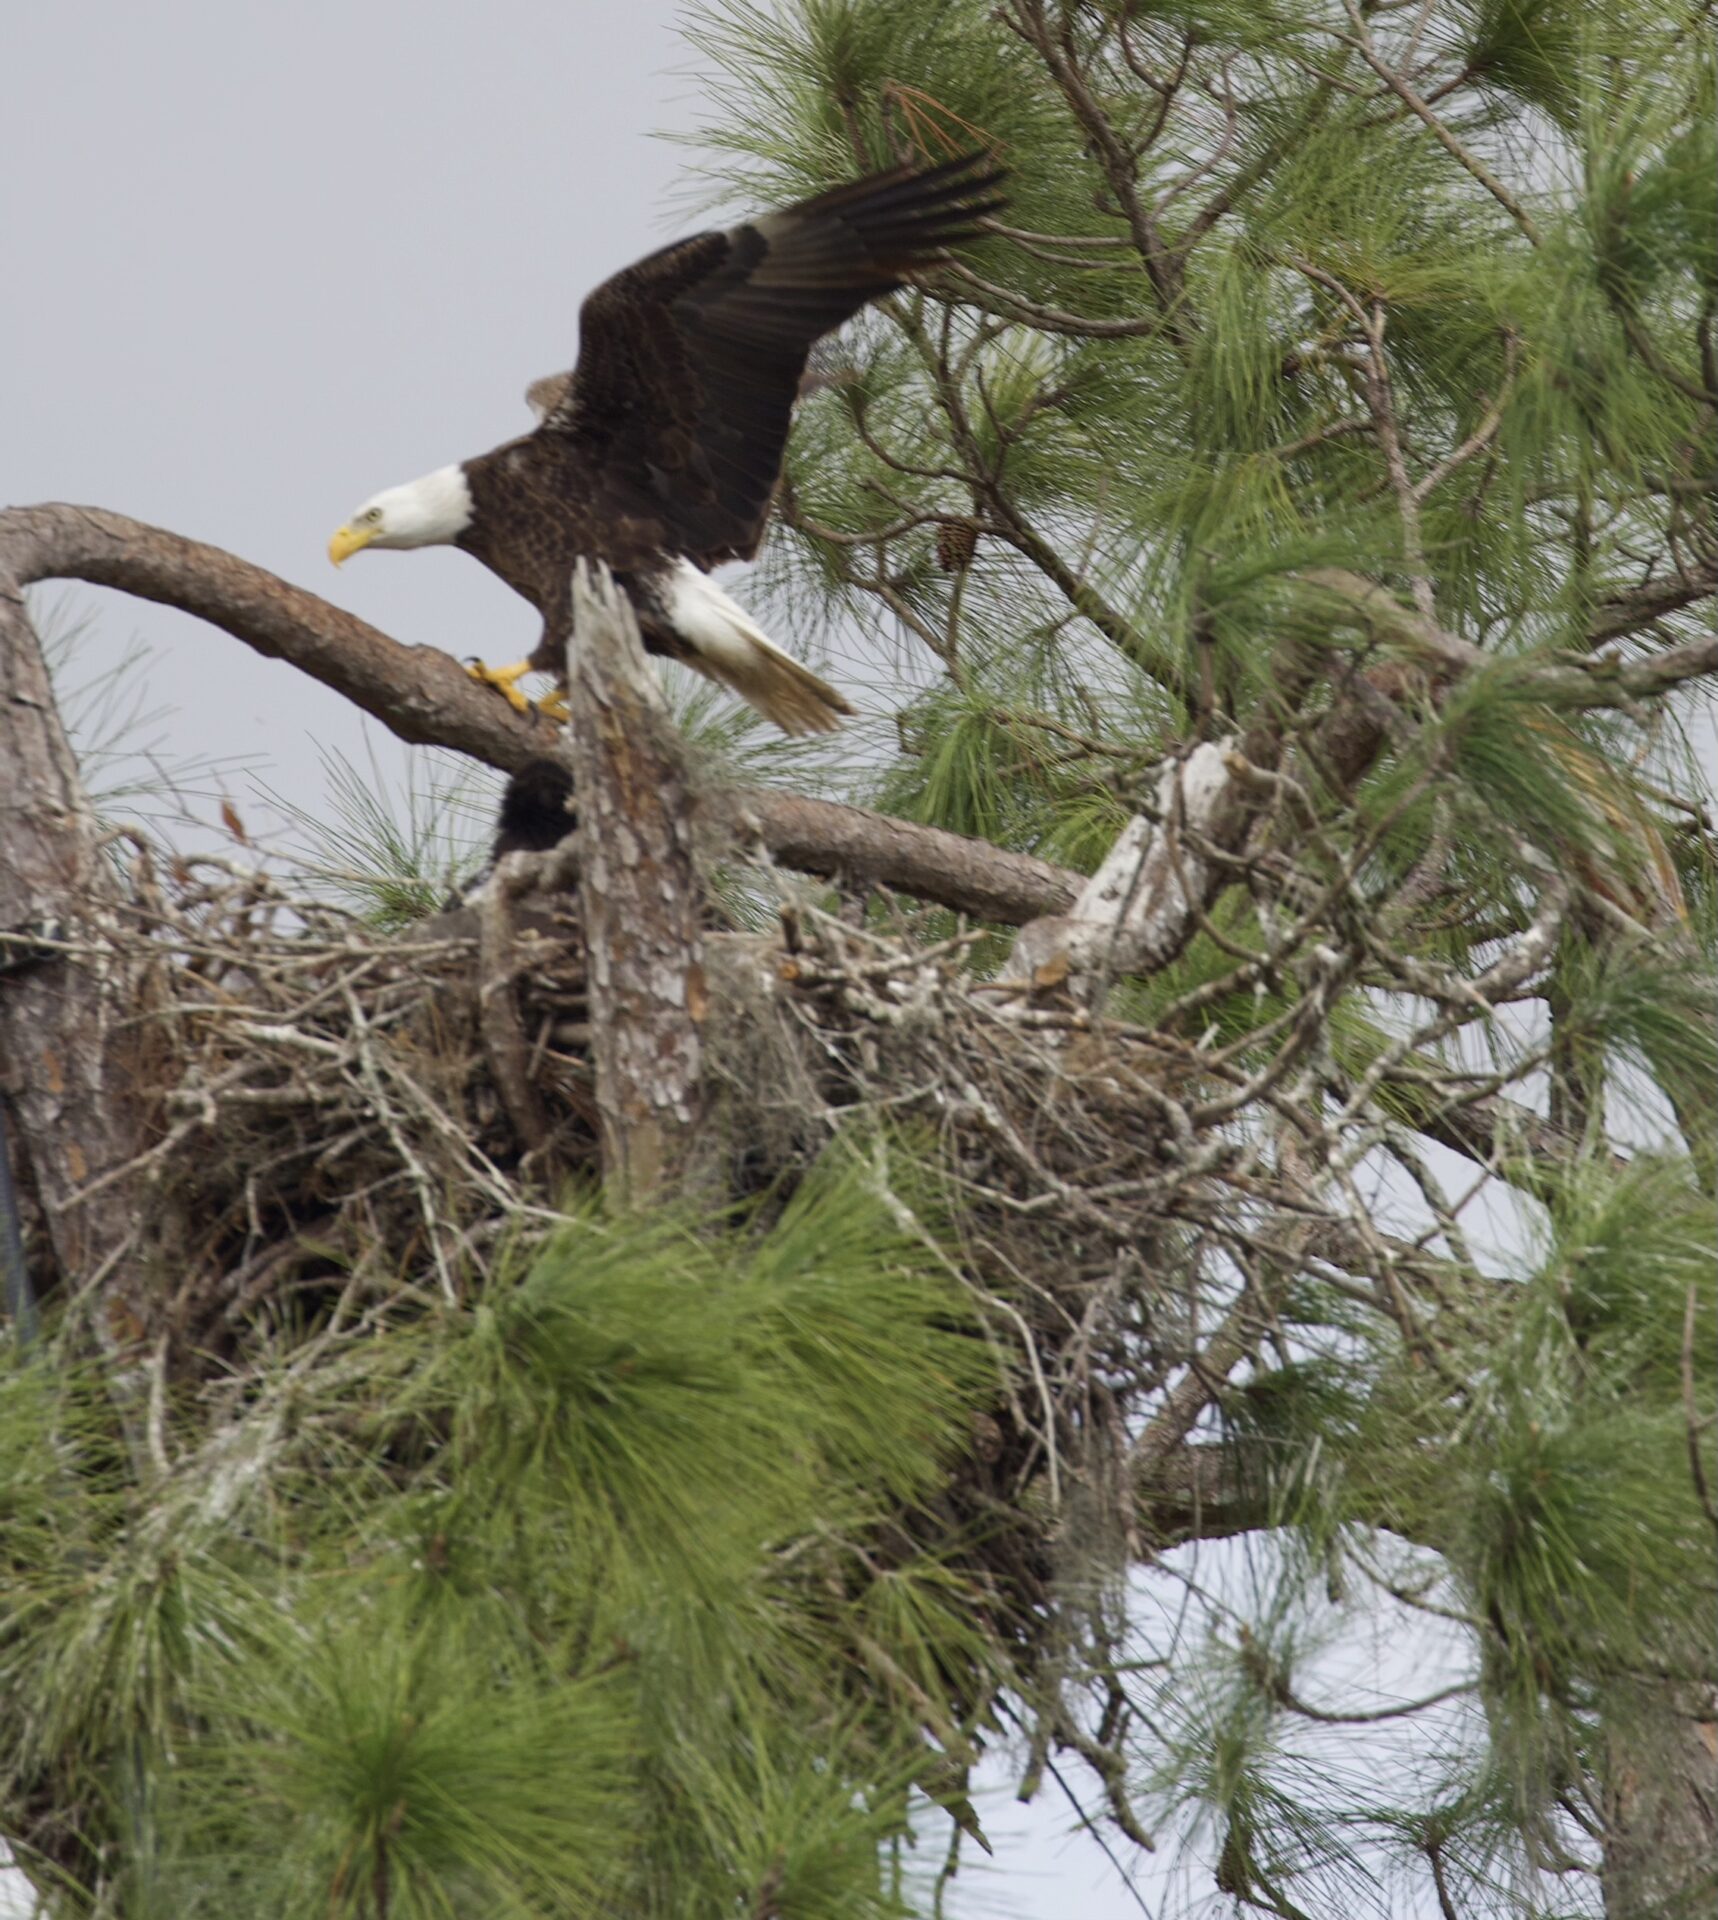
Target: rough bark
[[1661, 1816], [68, 1085], [640, 895], [424, 696]]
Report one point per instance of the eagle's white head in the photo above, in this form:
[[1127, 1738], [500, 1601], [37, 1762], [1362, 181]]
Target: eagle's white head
[[423, 513]]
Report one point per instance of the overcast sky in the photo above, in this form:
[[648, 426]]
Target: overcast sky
[[264, 260]]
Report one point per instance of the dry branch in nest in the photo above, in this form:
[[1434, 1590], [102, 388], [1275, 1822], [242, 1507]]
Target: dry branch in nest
[[346, 1124]]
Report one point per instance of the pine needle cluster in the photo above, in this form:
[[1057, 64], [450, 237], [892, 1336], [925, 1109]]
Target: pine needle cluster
[[590, 1595], [1290, 298]]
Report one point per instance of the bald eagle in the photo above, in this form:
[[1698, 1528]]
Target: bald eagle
[[660, 452]]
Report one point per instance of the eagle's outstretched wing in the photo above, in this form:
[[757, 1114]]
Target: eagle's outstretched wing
[[689, 361]]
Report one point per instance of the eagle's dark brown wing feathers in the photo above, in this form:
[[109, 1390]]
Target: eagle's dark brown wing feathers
[[690, 360]]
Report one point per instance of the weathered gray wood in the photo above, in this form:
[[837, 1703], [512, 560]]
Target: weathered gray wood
[[640, 894], [1141, 906]]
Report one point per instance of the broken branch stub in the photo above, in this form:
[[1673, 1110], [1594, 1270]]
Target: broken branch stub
[[640, 895], [1140, 907]]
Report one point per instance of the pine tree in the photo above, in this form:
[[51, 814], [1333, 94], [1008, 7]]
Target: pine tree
[[1238, 1349]]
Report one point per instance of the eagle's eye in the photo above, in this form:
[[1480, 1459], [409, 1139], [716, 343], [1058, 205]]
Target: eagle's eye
[[370, 517]]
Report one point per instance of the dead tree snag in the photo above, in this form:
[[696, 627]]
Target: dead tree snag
[[640, 895]]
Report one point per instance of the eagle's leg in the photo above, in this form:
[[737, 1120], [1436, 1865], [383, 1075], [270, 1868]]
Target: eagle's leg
[[549, 656], [505, 681], [552, 706]]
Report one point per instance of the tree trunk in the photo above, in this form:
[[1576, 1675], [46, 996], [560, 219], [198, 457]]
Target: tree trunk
[[1661, 1828], [68, 1083], [641, 897]]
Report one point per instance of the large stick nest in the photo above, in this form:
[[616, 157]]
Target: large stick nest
[[339, 1119]]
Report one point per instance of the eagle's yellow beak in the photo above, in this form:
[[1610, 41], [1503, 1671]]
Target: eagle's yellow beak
[[347, 541]]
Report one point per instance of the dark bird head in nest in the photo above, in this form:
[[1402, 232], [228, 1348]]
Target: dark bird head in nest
[[536, 808]]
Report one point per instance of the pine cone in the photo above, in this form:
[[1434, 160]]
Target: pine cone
[[956, 542]]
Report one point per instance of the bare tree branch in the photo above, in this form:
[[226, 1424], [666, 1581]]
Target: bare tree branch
[[1165, 269], [1447, 140], [1630, 608], [424, 696], [1571, 682], [1139, 908]]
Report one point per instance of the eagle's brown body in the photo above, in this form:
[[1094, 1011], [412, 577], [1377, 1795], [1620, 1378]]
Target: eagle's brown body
[[665, 444], [532, 522]]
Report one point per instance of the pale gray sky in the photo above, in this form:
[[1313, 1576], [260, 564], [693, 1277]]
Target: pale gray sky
[[267, 259], [264, 259]]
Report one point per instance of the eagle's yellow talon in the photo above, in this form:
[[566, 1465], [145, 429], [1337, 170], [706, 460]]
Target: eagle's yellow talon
[[505, 681], [553, 706]]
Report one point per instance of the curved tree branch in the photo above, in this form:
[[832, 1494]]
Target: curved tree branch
[[424, 696], [419, 693]]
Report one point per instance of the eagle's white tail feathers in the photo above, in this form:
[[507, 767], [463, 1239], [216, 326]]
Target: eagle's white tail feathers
[[726, 645]]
